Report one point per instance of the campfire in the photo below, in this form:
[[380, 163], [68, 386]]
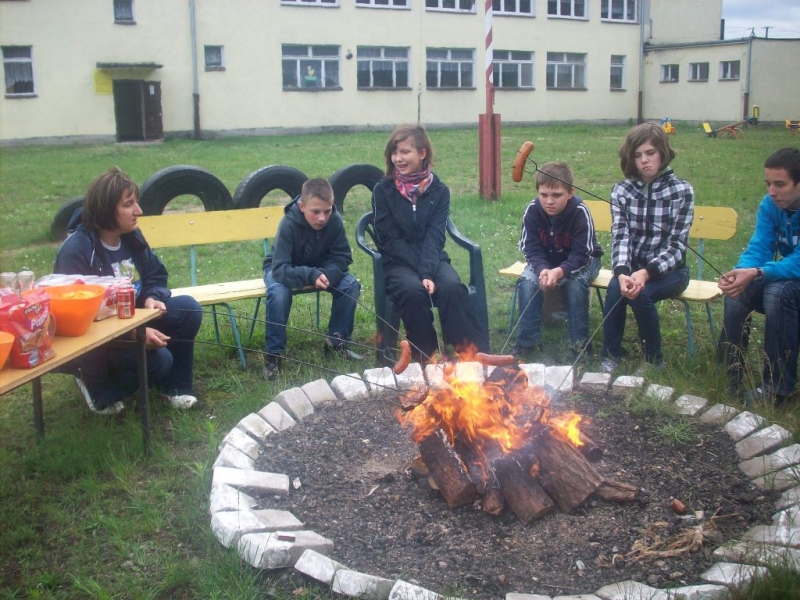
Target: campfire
[[500, 443]]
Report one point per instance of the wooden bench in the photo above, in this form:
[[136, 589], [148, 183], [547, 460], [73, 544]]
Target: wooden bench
[[216, 227], [792, 126], [710, 223]]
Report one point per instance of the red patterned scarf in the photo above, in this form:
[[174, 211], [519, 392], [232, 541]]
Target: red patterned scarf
[[412, 186]]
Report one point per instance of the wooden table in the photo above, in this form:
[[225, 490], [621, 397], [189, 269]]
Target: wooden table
[[69, 348]]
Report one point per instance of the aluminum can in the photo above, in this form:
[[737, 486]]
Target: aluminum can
[[126, 302], [26, 281]]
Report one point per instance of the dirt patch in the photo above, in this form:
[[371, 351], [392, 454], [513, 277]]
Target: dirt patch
[[352, 461]]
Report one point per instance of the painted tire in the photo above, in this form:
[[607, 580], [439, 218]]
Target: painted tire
[[343, 180], [259, 183], [181, 180], [58, 228]]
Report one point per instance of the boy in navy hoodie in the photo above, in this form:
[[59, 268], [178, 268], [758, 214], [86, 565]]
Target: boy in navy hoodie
[[561, 250], [310, 250]]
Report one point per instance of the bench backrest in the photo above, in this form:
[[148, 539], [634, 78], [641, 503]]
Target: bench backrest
[[213, 227]]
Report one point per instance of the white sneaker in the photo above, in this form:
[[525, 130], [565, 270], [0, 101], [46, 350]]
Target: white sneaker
[[609, 365], [114, 409], [181, 401]]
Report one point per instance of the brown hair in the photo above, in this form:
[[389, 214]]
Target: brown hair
[[418, 135], [641, 134], [317, 187], [785, 158], [553, 174], [102, 197]]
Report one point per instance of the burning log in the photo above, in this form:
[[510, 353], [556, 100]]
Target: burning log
[[414, 397], [524, 495], [447, 470], [564, 472], [589, 449], [616, 491], [492, 500]]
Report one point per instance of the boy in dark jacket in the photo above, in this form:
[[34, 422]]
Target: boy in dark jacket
[[561, 250], [310, 250]]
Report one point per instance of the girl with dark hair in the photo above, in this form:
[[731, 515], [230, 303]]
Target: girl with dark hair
[[410, 207], [651, 214], [109, 242]]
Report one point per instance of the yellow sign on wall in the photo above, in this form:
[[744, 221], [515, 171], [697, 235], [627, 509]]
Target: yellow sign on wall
[[103, 85]]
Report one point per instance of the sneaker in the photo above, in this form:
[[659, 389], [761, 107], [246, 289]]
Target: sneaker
[[273, 367], [114, 409], [181, 401], [763, 396], [522, 351], [609, 365], [341, 349]]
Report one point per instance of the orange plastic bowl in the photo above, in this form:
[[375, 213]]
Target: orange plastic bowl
[[74, 307], [6, 341]]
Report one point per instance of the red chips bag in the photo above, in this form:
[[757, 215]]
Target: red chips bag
[[28, 319]]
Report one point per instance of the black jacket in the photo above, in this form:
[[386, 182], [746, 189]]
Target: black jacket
[[301, 254], [83, 254], [409, 236]]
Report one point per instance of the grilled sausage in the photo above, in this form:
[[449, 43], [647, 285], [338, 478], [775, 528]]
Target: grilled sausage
[[519, 162], [495, 360], [405, 358]]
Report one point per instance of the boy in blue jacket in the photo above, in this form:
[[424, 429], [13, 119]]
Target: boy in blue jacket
[[561, 250], [310, 250], [761, 283]]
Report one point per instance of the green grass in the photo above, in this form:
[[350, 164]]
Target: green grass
[[86, 515]]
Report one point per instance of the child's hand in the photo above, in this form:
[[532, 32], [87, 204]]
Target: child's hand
[[549, 278], [734, 282], [322, 282], [153, 303], [629, 287], [429, 286], [154, 338]]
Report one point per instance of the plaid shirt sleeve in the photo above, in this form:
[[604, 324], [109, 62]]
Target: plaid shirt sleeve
[[620, 231]]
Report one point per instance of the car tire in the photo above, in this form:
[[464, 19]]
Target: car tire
[[259, 183], [58, 228], [343, 180], [180, 180]]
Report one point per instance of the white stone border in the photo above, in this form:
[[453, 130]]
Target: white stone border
[[271, 539]]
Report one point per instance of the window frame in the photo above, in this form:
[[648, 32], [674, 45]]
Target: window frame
[[313, 3], [607, 11], [302, 64], [623, 68], [391, 4], [18, 60], [450, 60], [455, 9], [572, 64], [517, 12], [497, 70], [123, 21], [667, 69], [696, 71], [383, 58], [723, 70], [214, 67], [571, 15]]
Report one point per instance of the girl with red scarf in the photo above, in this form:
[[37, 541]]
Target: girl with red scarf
[[410, 207]]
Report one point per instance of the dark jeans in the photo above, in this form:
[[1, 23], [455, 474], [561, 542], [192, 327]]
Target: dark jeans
[[575, 290], [644, 310], [779, 302], [460, 325], [111, 374], [279, 304]]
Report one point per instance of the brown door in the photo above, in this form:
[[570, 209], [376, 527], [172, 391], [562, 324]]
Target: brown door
[[153, 127]]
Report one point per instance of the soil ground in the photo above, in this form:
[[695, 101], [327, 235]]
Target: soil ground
[[352, 461]]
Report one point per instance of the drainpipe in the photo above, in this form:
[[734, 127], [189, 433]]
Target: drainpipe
[[747, 79], [195, 85], [640, 99]]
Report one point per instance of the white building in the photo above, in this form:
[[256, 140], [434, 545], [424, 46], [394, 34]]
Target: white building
[[146, 69]]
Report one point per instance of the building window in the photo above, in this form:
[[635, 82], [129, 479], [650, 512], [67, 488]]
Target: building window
[[698, 71], [513, 7], [123, 11], [310, 67], [566, 71], [451, 5], [617, 72], [383, 3], [618, 10], [449, 68], [669, 73], [729, 69], [311, 2], [512, 69], [382, 67], [18, 67], [214, 58], [567, 8]]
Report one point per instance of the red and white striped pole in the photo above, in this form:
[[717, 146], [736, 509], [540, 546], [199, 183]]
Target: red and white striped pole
[[489, 123]]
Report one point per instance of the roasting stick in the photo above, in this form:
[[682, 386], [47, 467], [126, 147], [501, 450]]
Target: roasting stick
[[522, 312]]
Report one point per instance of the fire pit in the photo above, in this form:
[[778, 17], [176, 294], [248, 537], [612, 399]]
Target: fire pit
[[355, 482]]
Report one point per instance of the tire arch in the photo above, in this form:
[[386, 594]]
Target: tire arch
[[183, 180]]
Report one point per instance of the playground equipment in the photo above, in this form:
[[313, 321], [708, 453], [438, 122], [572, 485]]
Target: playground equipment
[[792, 126], [667, 126], [728, 131]]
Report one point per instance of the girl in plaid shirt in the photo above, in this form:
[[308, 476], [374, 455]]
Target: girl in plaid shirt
[[651, 213]]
